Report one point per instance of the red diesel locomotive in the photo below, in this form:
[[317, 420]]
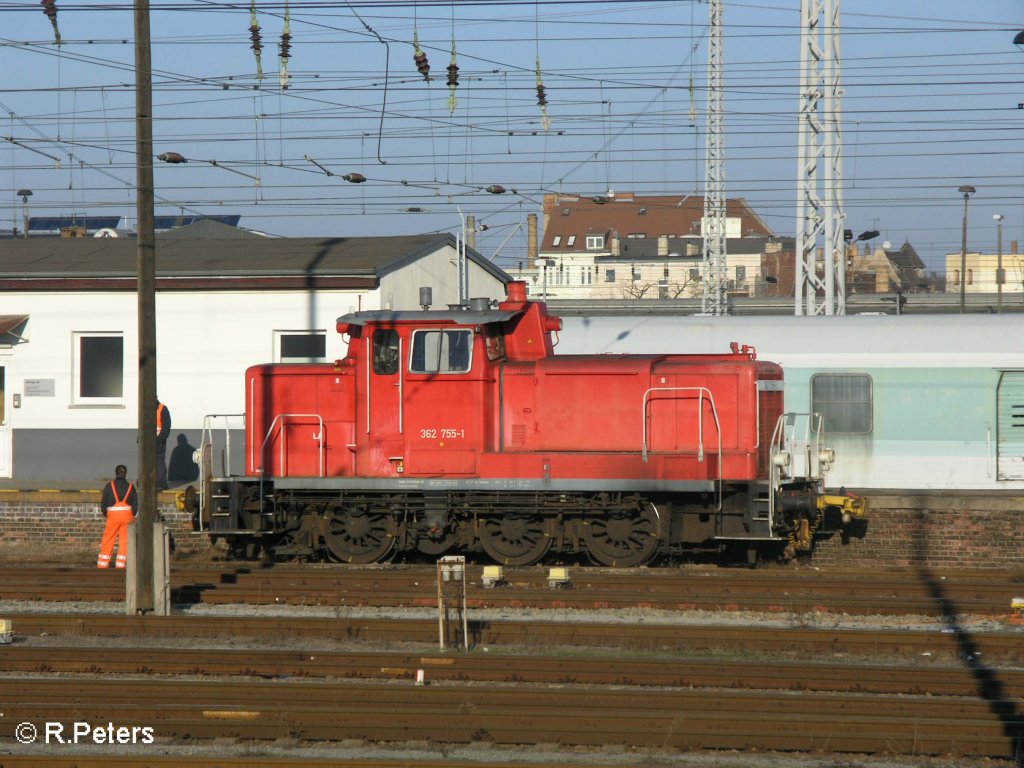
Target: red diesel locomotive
[[462, 430]]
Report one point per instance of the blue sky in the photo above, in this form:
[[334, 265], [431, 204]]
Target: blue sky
[[931, 103]]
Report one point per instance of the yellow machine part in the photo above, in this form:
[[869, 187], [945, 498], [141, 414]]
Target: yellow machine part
[[852, 506]]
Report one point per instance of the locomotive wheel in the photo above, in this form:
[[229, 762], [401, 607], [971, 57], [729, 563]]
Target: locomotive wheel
[[514, 539], [623, 539], [359, 536]]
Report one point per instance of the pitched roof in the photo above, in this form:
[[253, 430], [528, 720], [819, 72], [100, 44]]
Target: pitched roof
[[348, 258], [626, 213]]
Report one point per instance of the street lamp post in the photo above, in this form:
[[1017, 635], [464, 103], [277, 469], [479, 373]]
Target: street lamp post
[[966, 190], [1000, 278]]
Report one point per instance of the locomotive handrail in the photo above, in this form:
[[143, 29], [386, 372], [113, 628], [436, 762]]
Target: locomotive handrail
[[781, 444], [319, 437], [700, 417], [204, 452], [703, 391]]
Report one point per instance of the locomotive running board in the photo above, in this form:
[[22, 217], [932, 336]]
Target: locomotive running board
[[490, 484]]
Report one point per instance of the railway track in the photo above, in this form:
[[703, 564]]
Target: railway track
[[776, 642], [692, 672], [766, 590], [523, 714]]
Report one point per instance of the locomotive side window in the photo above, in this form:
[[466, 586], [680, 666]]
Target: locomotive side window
[[441, 351], [385, 352], [844, 400]]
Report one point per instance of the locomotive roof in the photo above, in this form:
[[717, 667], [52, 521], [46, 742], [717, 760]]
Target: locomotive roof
[[429, 316]]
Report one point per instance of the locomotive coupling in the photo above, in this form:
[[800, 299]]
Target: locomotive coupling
[[848, 505]]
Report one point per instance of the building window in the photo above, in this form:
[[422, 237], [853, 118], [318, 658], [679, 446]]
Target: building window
[[590, 275], [301, 346], [441, 351], [741, 274], [956, 277], [636, 274], [556, 241], [970, 277], [385, 351], [595, 242], [609, 275], [98, 369], [565, 211], [642, 212], [663, 288], [571, 241], [695, 274], [844, 401]]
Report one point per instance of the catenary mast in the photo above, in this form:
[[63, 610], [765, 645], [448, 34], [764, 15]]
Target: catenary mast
[[714, 297], [820, 284]]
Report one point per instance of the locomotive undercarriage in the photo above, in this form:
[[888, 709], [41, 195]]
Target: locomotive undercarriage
[[618, 529]]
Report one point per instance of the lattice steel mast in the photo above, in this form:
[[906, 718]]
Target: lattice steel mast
[[820, 286], [714, 298]]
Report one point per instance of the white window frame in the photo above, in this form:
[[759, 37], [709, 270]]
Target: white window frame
[[76, 369], [595, 242], [279, 336]]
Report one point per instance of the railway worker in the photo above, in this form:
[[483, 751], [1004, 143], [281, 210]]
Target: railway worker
[[119, 504], [163, 431]]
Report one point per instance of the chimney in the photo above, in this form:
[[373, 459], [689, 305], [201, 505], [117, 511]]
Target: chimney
[[471, 231], [1013, 246], [615, 245], [531, 237], [663, 245]]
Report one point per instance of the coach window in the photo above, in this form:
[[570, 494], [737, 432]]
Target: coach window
[[98, 369], [844, 401], [385, 351], [441, 351]]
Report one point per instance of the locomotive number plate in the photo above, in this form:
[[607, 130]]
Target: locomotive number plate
[[441, 434]]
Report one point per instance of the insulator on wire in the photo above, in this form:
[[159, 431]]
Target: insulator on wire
[[174, 158], [419, 57], [542, 100], [422, 64], [50, 9], [354, 178], [256, 38], [453, 81], [284, 48]]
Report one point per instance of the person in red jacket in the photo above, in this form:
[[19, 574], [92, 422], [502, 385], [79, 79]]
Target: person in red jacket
[[119, 503]]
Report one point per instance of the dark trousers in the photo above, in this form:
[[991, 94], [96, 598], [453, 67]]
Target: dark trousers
[[161, 463]]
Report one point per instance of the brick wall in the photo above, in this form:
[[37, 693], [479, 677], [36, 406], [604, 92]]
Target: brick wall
[[941, 530], [67, 522]]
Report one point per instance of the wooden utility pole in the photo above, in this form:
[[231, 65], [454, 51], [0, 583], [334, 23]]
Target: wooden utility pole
[[146, 251]]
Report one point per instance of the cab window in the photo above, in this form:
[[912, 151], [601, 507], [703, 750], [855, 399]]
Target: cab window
[[441, 351], [385, 352]]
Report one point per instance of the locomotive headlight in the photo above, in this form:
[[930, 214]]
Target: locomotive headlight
[[780, 459], [826, 456]]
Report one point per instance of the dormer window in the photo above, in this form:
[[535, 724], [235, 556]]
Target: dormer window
[[557, 241], [571, 241], [643, 212], [565, 211], [595, 242]]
